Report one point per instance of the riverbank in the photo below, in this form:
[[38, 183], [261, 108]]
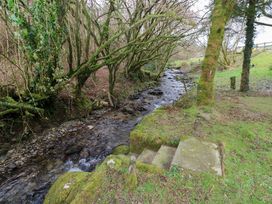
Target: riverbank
[[239, 123], [30, 168]]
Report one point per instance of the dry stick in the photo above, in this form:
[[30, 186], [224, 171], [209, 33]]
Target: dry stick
[[185, 86], [221, 149]]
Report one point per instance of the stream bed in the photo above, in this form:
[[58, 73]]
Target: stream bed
[[28, 170]]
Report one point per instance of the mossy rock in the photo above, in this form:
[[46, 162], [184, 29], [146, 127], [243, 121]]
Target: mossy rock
[[82, 187], [122, 149], [67, 187]]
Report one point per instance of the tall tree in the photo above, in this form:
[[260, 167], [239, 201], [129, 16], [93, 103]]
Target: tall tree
[[250, 30], [221, 13]]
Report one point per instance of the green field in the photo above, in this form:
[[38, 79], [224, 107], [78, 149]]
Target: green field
[[261, 71]]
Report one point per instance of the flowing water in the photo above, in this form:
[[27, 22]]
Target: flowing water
[[82, 144]]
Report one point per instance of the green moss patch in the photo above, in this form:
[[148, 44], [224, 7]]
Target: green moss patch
[[82, 187], [67, 187], [122, 149], [164, 126], [86, 188]]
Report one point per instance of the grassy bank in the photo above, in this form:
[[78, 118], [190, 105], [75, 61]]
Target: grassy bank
[[243, 124]]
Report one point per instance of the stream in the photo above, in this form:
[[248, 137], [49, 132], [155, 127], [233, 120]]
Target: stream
[[28, 170]]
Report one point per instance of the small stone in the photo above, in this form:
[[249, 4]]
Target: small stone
[[12, 166], [73, 150], [84, 153], [90, 127], [205, 116], [128, 110], [66, 186], [156, 92], [2, 158], [19, 163], [10, 152], [84, 165], [111, 163]]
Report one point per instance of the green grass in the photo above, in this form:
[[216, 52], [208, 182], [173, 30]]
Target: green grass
[[261, 71], [163, 126], [248, 161], [246, 131], [242, 123], [181, 63]]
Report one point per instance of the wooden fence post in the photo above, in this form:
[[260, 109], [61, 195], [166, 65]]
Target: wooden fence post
[[233, 82]]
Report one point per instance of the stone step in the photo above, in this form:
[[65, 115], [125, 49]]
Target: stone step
[[164, 157], [147, 156], [197, 155]]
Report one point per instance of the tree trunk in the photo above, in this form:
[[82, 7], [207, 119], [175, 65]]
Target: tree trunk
[[111, 85], [250, 30], [220, 16]]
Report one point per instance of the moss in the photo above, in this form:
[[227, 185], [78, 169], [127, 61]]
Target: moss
[[184, 137], [84, 104], [219, 18], [149, 168], [131, 181], [164, 126], [122, 149], [67, 187], [81, 187]]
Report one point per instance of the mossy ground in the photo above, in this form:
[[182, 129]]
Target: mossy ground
[[122, 149], [163, 126], [242, 123]]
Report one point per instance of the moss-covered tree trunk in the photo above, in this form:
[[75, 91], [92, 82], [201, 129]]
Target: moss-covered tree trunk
[[220, 15], [250, 30]]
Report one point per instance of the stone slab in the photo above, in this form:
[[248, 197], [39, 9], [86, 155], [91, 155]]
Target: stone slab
[[197, 155], [146, 156], [164, 157]]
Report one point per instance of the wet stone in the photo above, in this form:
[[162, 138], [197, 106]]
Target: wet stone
[[73, 150], [84, 153], [156, 92]]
